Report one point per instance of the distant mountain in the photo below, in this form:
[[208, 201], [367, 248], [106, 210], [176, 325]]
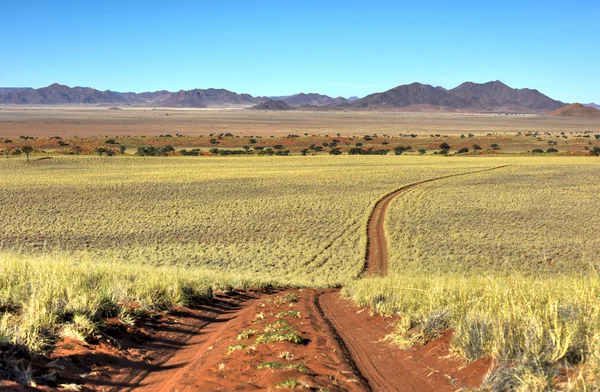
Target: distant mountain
[[468, 97], [408, 95], [272, 105], [497, 95], [592, 105], [199, 98], [491, 96], [576, 110], [312, 99], [58, 94], [13, 89], [146, 97]]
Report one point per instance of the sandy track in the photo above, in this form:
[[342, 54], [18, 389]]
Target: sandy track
[[427, 368], [384, 368], [345, 348], [376, 258], [204, 364]]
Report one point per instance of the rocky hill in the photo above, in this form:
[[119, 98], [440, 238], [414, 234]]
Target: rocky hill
[[576, 110], [272, 105]]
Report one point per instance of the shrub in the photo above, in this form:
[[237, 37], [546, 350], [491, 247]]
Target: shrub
[[399, 150], [462, 150], [154, 151], [195, 152], [444, 146], [552, 150]]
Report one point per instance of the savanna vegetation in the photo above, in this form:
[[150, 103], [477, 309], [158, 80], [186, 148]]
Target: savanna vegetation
[[509, 260], [506, 258]]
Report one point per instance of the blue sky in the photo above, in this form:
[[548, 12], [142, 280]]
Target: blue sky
[[278, 47]]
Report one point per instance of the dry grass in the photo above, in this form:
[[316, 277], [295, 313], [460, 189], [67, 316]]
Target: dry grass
[[537, 215], [48, 295], [509, 260], [297, 220]]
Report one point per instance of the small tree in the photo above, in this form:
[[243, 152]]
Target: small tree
[[444, 146], [476, 147], [422, 151], [399, 150], [495, 146], [27, 150]]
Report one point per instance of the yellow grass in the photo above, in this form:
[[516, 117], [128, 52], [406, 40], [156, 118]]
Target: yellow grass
[[506, 258], [509, 260], [298, 220]]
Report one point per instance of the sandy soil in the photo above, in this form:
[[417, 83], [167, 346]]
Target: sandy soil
[[87, 122], [428, 368]]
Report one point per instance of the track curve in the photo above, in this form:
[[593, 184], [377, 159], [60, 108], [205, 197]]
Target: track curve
[[376, 257], [382, 369]]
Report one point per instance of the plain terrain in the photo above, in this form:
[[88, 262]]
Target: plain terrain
[[498, 264], [88, 122]]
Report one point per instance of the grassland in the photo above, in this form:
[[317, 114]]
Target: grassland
[[535, 216], [509, 260], [83, 235], [298, 220]]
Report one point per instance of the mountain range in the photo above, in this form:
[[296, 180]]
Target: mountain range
[[468, 97], [485, 97], [592, 105]]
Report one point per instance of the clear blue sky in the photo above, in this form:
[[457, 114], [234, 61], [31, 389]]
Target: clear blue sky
[[283, 47]]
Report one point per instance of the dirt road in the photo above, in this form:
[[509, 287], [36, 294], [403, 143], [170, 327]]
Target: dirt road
[[341, 346], [376, 258], [387, 369]]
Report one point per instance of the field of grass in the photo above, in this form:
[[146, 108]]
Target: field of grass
[[82, 235], [509, 260], [537, 215], [298, 220], [45, 296]]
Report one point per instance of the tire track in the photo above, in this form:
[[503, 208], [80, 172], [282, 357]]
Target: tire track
[[359, 335], [376, 256]]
